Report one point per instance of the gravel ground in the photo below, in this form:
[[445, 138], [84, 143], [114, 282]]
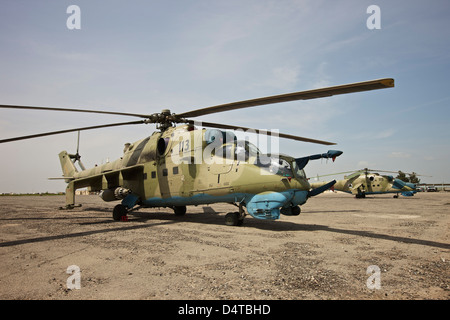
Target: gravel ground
[[338, 248]]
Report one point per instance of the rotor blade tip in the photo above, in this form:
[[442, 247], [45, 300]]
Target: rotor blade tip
[[389, 82]]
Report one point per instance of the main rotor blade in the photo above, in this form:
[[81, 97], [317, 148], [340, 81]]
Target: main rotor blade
[[374, 170], [258, 131], [333, 174], [71, 130], [74, 110], [301, 95]]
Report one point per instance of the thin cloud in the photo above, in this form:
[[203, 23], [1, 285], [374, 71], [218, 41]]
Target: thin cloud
[[385, 134], [399, 154]]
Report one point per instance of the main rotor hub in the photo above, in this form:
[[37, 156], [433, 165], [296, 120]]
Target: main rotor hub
[[165, 119]]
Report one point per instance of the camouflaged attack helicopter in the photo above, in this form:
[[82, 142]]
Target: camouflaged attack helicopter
[[182, 165], [370, 181]]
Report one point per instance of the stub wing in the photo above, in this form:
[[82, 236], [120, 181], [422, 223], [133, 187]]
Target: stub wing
[[105, 180], [109, 179]]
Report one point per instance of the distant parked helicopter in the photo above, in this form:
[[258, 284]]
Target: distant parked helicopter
[[369, 181], [182, 165]]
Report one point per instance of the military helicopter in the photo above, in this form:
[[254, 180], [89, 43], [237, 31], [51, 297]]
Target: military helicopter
[[370, 181], [182, 165]]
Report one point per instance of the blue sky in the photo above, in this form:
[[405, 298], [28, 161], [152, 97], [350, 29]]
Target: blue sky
[[144, 56]]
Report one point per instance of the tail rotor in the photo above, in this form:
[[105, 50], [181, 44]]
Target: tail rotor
[[76, 157]]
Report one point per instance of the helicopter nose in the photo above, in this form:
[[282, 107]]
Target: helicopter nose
[[412, 186]]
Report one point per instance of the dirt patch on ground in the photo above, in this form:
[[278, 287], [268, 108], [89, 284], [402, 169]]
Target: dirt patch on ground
[[324, 253]]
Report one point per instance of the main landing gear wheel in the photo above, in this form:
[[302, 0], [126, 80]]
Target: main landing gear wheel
[[119, 212], [179, 210], [234, 219], [295, 211]]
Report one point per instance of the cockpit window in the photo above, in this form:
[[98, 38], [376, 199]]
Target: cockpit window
[[225, 151], [245, 151], [275, 165], [237, 150], [300, 173]]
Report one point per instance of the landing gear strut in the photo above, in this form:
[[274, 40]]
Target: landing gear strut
[[360, 195]]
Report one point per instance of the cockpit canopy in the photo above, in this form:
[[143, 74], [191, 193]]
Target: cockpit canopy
[[245, 151]]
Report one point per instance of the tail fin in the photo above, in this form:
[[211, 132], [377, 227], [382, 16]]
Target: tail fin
[[67, 165]]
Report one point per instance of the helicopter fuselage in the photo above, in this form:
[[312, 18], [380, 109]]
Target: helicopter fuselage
[[186, 166], [372, 183]]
